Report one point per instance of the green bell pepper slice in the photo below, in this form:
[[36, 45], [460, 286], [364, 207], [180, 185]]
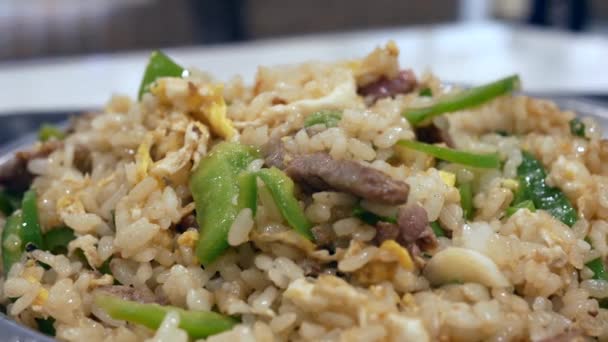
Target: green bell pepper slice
[[466, 99], [487, 161], [159, 65], [198, 324], [214, 185], [281, 188]]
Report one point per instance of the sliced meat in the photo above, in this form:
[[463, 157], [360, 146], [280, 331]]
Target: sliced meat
[[386, 231], [188, 221], [319, 171], [14, 174], [432, 134], [404, 83], [412, 230], [311, 267], [274, 153], [132, 294], [413, 222]]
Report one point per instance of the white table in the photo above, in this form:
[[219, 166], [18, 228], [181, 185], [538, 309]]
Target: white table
[[548, 61]]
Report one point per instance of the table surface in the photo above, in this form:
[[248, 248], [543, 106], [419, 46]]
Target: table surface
[[548, 62]]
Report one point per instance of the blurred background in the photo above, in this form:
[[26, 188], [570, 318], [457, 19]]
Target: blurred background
[[32, 29], [62, 56]]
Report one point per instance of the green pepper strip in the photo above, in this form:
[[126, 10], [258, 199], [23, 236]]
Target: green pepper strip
[[47, 132], [8, 202], [21, 228], [281, 188], [487, 161], [198, 324], [369, 217], [598, 268], [56, 241], [324, 117], [159, 65], [215, 188], [12, 242], [468, 98], [577, 127], [46, 326], [30, 228], [527, 204], [466, 200], [248, 191], [437, 229], [426, 92]]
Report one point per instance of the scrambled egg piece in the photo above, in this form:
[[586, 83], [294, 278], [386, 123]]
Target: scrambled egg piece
[[447, 177], [196, 134], [206, 103], [403, 256], [188, 238], [379, 270], [69, 204], [143, 161], [214, 111], [43, 294]]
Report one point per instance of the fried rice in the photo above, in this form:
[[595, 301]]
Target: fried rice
[[121, 182]]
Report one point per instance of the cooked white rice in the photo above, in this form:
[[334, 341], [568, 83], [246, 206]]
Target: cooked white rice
[[127, 209]]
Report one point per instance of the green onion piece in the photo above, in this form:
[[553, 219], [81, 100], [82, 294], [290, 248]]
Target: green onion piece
[[47, 132], [527, 204], [532, 186], [426, 92], [369, 217], [8, 202], [12, 241], [437, 229], [466, 200], [46, 326], [577, 127], [502, 133], [198, 324], [56, 241], [598, 268], [30, 226], [324, 117], [159, 65], [487, 161], [466, 99]]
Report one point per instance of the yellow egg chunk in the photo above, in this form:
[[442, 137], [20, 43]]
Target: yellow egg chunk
[[447, 177], [403, 256]]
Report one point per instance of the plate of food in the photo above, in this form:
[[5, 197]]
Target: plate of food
[[352, 201]]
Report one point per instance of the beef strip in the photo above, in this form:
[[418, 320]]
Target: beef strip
[[386, 231], [132, 294], [432, 134], [412, 230], [188, 221], [274, 153], [14, 174], [404, 83], [319, 171]]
